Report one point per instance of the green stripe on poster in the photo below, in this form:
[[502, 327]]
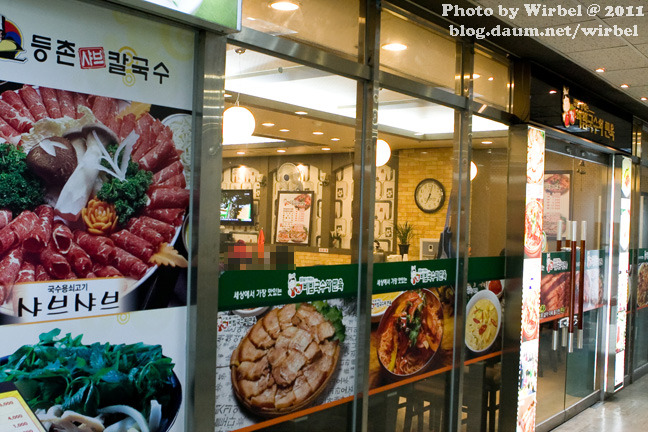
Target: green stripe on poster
[[403, 276], [481, 269], [255, 288]]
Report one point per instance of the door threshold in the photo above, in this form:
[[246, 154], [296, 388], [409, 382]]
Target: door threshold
[[561, 417]]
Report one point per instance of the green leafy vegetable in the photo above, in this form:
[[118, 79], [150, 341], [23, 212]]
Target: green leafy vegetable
[[19, 189], [85, 378], [334, 315], [129, 195]]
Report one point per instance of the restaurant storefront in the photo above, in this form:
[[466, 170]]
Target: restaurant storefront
[[391, 248]]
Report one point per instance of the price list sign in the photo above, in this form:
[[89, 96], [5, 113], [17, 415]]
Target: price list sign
[[15, 415]]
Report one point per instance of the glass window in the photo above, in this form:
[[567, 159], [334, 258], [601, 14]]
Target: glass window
[[417, 52], [288, 290], [492, 82], [330, 25], [641, 319], [412, 308]]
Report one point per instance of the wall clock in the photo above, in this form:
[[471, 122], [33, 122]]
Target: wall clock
[[429, 195]]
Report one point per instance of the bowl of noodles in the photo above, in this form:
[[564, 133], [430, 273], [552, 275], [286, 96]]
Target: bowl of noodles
[[483, 321], [410, 333]]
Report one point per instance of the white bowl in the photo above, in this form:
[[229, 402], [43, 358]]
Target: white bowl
[[486, 294]]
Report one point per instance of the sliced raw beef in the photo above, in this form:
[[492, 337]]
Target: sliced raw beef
[[129, 265], [114, 124], [9, 268], [8, 134], [141, 230], [170, 171], [41, 274], [172, 216], [13, 99], [158, 157], [42, 232], [80, 100], [62, 237], [66, 102], [7, 239], [50, 100], [33, 102], [27, 273], [106, 271], [14, 118], [127, 126], [167, 231], [5, 218], [133, 244], [26, 227], [79, 260], [100, 248], [147, 140], [168, 197], [55, 264], [104, 108], [175, 181]]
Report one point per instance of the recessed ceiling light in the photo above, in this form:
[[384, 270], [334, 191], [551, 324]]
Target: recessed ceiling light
[[624, 86], [335, 139], [318, 133], [487, 142], [552, 92], [301, 112], [251, 19], [281, 151], [240, 152], [643, 98], [284, 130], [394, 46], [284, 5], [419, 133], [476, 75], [326, 148], [491, 78], [228, 95], [600, 70], [267, 124]]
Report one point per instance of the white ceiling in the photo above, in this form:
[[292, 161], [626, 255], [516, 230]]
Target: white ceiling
[[625, 58]]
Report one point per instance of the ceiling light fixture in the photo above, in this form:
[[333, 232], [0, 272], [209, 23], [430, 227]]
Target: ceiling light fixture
[[240, 152], [284, 5], [326, 148], [228, 95], [643, 98], [267, 124], [284, 130], [553, 91], [487, 142], [476, 75], [302, 113], [600, 70], [383, 152], [238, 124], [394, 46], [335, 139], [318, 133], [491, 78], [624, 86], [473, 170], [281, 150]]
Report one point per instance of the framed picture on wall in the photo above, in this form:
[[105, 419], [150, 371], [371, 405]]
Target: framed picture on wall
[[294, 211], [557, 201]]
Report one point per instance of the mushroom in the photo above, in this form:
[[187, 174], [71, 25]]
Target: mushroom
[[76, 192], [53, 159], [78, 142]]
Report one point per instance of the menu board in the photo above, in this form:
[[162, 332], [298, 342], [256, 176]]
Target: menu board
[[294, 218], [15, 414], [95, 139], [557, 187], [286, 344], [531, 278]]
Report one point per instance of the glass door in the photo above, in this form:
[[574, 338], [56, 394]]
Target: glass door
[[575, 211]]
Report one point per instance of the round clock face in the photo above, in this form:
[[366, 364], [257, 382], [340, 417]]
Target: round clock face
[[429, 195]]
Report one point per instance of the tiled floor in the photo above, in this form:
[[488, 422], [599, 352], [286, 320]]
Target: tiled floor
[[627, 411]]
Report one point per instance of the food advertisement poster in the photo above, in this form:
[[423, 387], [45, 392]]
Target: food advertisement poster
[[223, 12], [531, 279], [556, 202], [286, 344], [95, 136], [294, 218], [642, 278], [114, 371]]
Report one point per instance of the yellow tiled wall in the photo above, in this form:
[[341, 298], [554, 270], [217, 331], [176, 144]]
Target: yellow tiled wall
[[307, 259], [414, 166]]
